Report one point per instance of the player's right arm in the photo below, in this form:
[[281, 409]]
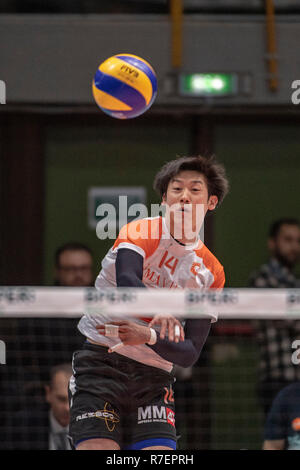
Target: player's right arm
[[129, 272], [129, 268]]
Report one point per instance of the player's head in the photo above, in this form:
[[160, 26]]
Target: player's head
[[213, 173], [73, 265], [191, 186], [284, 241], [57, 393]]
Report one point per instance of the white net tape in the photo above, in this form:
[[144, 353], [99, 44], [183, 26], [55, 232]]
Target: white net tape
[[242, 303]]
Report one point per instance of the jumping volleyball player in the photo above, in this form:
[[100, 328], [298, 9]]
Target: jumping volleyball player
[[121, 390]]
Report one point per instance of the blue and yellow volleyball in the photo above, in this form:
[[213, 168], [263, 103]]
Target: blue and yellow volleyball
[[125, 86]]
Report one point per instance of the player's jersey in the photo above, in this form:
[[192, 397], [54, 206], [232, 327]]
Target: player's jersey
[[167, 264]]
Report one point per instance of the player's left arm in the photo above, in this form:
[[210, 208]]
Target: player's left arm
[[187, 352], [129, 272]]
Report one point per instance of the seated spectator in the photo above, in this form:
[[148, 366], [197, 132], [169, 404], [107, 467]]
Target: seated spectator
[[282, 429], [74, 265], [275, 337], [46, 427]]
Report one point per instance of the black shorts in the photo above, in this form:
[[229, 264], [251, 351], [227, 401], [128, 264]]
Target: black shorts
[[118, 398]]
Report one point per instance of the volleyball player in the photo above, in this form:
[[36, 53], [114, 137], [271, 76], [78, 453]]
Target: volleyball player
[[123, 398]]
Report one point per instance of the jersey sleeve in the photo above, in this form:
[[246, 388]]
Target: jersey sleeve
[[129, 269], [141, 236], [219, 280]]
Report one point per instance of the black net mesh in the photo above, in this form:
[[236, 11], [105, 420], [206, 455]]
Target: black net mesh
[[221, 402], [33, 346]]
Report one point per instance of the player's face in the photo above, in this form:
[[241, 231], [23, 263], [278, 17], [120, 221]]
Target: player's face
[[286, 246], [57, 397], [75, 269], [188, 201]]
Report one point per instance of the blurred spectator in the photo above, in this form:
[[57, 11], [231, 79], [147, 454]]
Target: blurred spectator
[[275, 337], [74, 265], [59, 414], [282, 429], [45, 427]]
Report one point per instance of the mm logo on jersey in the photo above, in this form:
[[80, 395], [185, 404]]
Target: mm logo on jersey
[[152, 414]]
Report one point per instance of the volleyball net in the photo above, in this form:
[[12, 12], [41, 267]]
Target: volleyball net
[[218, 400]]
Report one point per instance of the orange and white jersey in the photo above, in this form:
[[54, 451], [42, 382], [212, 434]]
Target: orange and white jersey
[[167, 264]]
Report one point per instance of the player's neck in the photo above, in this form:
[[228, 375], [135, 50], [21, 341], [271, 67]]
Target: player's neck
[[180, 237], [185, 242]]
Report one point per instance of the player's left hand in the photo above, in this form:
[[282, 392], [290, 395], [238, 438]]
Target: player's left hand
[[171, 324], [130, 333]]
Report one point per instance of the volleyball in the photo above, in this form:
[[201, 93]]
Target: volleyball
[[125, 86]]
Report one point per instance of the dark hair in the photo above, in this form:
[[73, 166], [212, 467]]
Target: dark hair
[[276, 226], [66, 368], [213, 171], [70, 246]]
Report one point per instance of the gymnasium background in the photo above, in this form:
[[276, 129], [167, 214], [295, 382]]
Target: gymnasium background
[[55, 144]]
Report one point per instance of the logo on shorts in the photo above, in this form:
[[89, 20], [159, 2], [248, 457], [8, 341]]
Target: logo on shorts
[[110, 417], [156, 414], [170, 417], [169, 395]]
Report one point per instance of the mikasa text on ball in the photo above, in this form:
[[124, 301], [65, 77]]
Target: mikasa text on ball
[[125, 86]]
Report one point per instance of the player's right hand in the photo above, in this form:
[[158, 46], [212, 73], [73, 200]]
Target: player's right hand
[[129, 332], [170, 324]]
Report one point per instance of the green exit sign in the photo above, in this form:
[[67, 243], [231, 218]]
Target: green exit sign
[[208, 84]]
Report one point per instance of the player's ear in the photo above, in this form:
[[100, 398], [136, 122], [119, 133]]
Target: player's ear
[[212, 202], [163, 201]]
